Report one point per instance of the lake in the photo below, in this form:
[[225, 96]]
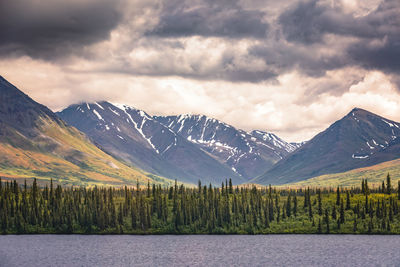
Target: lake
[[199, 250]]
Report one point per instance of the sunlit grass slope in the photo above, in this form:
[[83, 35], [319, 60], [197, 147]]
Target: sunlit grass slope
[[64, 154], [374, 174]]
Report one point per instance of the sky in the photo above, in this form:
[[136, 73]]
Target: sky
[[289, 67]]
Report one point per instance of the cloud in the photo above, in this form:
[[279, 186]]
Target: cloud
[[313, 60], [308, 22], [290, 67], [376, 34], [201, 58], [209, 18], [385, 56], [296, 107], [244, 41], [49, 29]]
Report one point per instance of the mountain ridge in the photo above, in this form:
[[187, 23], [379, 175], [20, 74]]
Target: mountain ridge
[[247, 153], [36, 143], [185, 147], [359, 139], [135, 136]]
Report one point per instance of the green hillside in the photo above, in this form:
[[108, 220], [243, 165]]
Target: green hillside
[[374, 174]]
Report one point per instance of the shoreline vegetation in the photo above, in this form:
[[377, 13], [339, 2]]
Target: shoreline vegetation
[[228, 209]]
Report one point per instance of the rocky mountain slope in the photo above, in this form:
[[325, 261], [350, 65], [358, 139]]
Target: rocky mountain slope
[[248, 154], [358, 140], [137, 138]]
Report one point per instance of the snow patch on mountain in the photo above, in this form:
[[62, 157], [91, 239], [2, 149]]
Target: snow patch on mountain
[[237, 148], [114, 111], [276, 141], [97, 115], [359, 157], [97, 104], [388, 123], [126, 109]]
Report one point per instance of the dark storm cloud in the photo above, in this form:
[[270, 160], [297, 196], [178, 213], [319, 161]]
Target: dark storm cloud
[[385, 57], [252, 63], [377, 34], [48, 29], [381, 51], [307, 22], [286, 58], [304, 24], [210, 18], [203, 39]]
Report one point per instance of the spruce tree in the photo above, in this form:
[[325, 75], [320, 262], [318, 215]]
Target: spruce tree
[[334, 216], [120, 215], [199, 186], [326, 219], [388, 185], [289, 206], [347, 200], [319, 227], [230, 186], [310, 212], [306, 198], [362, 186], [319, 203], [398, 190], [341, 212], [338, 196], [133, 217]]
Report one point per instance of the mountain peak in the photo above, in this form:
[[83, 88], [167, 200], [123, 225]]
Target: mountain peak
[[356, 109], [359, 139], [359, 111], [358, 114], [18, 110], [122, 106]]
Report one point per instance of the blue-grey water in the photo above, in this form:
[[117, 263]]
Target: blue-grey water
[[199, 250]]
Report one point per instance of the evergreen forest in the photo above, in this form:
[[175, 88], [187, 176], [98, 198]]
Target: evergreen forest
[[153, 209]]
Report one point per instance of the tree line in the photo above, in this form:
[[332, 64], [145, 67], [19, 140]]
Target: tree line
[[177, 209]]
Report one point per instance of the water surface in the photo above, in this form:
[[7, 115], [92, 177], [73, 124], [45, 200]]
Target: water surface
[[199, 250]]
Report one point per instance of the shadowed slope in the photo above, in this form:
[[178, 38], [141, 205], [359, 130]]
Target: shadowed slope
[[359, 139]]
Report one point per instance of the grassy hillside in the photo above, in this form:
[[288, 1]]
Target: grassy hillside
[[66, 155], [375, 174]]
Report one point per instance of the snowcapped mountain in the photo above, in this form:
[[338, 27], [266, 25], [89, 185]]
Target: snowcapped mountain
[[359, 139], [248, 154], [137, 138], [276, 141]]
